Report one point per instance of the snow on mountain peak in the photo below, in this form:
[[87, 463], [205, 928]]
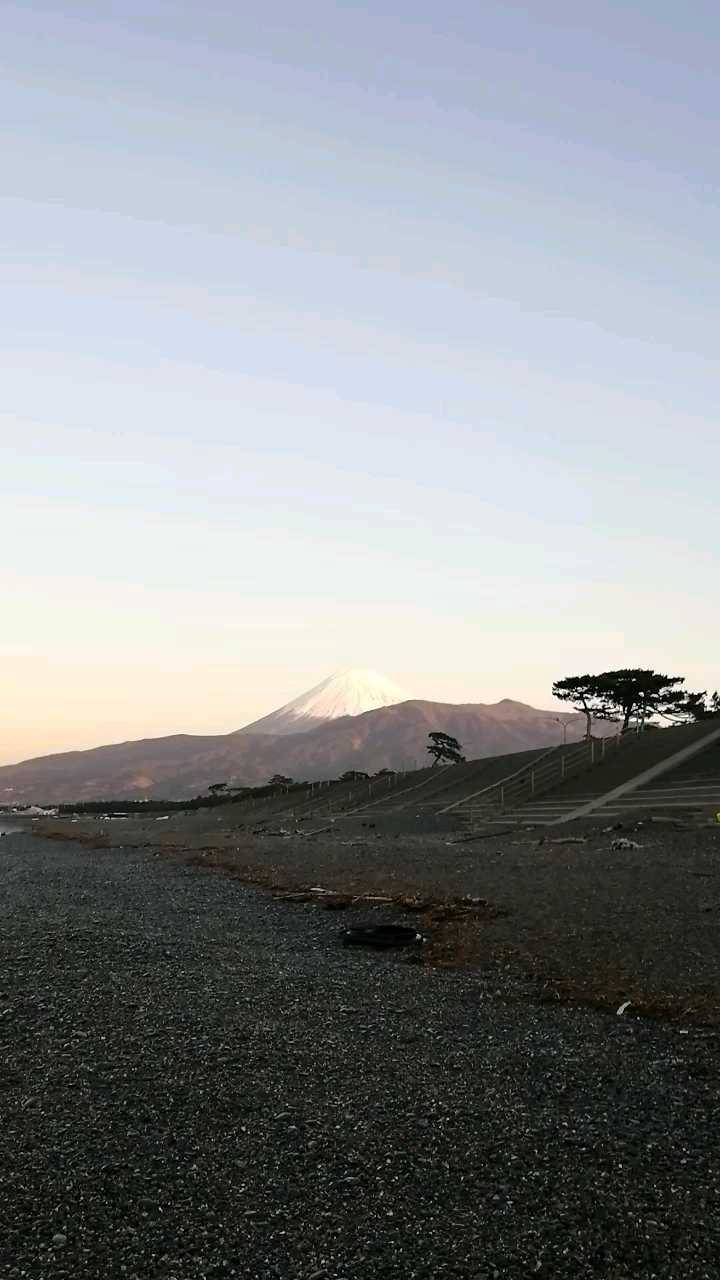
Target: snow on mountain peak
[[346, 693]]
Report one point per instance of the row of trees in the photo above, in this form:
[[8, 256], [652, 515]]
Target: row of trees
[[222, 790], [634, 693]]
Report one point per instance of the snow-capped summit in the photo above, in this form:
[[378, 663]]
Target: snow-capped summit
[[347, 693]]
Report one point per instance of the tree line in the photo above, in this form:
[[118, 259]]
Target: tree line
[[637, 693]]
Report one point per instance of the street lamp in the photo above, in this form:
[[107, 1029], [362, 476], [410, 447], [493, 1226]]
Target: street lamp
[[564, 721]]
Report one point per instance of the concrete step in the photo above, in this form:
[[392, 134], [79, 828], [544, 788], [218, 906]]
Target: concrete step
[[648, 802], [674, 787], [619, 810], [679, 797], [686, 803], [670, 793], [539, 810], [520, 815], [531, 804]]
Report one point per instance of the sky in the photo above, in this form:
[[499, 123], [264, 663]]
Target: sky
[[352, 334]]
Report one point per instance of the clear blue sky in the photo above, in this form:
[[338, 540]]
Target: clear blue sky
[[352, 334]]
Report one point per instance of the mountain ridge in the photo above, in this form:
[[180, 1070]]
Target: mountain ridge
[[182, 765]]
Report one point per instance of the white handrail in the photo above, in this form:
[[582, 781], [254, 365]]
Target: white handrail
[[565, 758], [493, 785]]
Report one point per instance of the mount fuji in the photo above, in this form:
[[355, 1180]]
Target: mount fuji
[[346, 693]]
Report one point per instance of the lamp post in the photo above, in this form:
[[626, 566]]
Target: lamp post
[[564, 721]]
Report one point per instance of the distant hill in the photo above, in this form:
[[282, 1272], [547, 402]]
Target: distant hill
[[182, 766]]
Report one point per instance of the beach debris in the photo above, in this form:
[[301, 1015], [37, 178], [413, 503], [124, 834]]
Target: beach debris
[[415, 903], [624, 843], [484, 835], [570, 840], [625, 1005], [164, 818], [330, 899], [381, 935]]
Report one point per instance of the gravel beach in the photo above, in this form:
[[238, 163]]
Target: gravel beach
[[198, 1081], [576, 916]]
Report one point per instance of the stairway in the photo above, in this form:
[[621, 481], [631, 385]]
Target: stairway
[[460, 786], [692, 785], [523, 789], [549, 810], [401, 790]]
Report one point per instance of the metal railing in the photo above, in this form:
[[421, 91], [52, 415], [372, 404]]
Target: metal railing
[[536, 778], [398, 791], [362, 795]]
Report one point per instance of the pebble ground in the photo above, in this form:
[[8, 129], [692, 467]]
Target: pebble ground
[[196, 1081]]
